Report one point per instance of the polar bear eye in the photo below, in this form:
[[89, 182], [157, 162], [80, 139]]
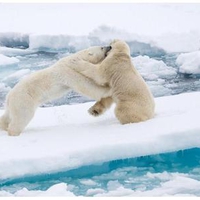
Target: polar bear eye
[[101, 48]]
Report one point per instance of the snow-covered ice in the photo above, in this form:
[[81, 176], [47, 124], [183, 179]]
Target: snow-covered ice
[[189, 63], [5, 60], [67, 137]]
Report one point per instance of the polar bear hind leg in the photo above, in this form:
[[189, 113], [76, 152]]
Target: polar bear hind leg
[[20, 115], [128, 113], [19, 122], [4, 120]]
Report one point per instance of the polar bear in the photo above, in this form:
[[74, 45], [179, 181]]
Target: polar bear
[[134, 101], [51, 83]]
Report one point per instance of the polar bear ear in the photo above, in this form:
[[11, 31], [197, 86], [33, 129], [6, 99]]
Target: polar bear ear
[[90, 53]]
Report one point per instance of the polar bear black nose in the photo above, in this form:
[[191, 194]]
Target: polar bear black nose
[[108, 48]]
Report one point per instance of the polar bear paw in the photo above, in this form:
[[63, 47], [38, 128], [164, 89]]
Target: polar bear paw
[[100, 106], [96, 110]]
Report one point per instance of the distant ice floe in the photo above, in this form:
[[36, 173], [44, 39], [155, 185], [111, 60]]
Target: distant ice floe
[[155, 73], [8, 51], [76, 43], [103, 35], [152, 69], [12, 39], [5, 60], [12, 79], [189, 63], [139, 44], [50, 42], [58, 42], [158, 89]]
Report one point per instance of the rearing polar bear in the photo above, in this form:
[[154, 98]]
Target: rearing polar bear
[[134, 101], [49, 84]]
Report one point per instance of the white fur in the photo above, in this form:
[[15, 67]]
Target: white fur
[[48, 84], [134, 101]]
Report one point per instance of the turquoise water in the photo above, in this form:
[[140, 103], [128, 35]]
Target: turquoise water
[[142, 173]]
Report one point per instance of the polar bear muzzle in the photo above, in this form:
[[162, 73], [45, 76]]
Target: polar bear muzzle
[[107, 49]]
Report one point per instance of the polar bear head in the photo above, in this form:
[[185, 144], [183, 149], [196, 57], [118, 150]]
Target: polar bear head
[[119, 46], [96, 54]]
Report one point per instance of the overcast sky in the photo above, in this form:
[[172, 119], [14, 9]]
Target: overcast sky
[[80, 19]]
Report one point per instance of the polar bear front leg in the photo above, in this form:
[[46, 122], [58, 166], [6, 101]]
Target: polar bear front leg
[[101, 106], [91, 71]]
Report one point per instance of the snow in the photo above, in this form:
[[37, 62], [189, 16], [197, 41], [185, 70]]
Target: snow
[[73, 138], [4, 60], [189, 63]]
